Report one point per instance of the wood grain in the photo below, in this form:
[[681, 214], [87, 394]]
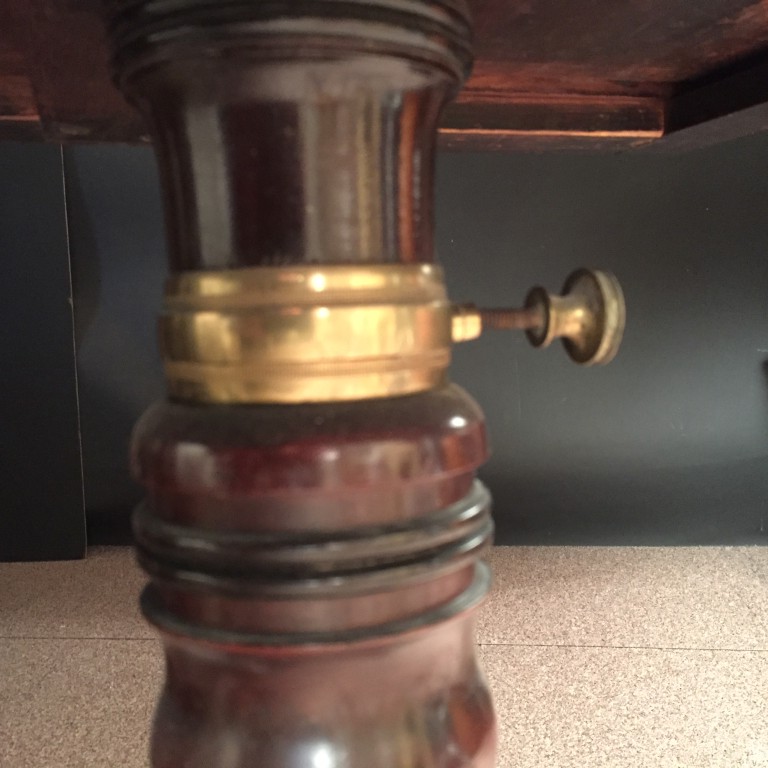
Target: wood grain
[[548, 72]]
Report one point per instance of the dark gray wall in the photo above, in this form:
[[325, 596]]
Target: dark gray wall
[[42, 514], [118, 270], [669, 444]]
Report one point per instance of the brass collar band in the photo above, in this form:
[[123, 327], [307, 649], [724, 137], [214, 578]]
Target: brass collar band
[[305, 334]]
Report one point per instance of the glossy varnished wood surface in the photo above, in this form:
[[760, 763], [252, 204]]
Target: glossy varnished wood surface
[[604, 657], [548, 73]]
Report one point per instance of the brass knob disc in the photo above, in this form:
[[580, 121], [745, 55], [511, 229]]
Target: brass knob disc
[[589, 316]]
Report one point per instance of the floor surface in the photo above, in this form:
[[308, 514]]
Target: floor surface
[[597, 657]]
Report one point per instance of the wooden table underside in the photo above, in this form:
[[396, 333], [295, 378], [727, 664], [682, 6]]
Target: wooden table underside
[[549, 74]]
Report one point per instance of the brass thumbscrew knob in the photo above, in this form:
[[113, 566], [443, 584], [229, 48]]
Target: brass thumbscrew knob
[[589, 317]]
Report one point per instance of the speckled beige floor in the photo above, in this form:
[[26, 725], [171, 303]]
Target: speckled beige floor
[[598, 658]]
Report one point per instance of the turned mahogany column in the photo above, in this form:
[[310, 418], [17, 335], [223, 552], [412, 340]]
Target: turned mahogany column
[[313, 527]]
